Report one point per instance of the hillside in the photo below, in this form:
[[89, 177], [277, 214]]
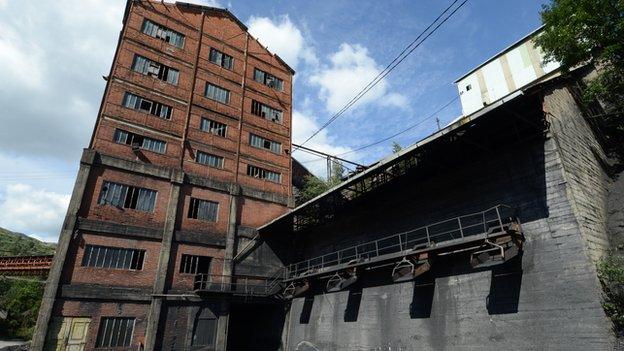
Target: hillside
[[18, 244]]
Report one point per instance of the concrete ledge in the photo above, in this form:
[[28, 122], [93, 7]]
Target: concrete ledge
[[101, 292], [265, 195], [207, 183], [205, 238], [246, 232], [92, 225], [136, 167]]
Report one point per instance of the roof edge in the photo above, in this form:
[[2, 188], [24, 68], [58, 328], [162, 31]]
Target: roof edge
[[505, 50]]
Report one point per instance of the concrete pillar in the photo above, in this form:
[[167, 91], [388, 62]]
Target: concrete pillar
[[222, 326], [69, 226], [230, 240], [153, 315]]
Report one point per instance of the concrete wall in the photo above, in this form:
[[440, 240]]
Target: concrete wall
[[549, 299]]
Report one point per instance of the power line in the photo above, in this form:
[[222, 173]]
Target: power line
[[402, 131], [391, 66]]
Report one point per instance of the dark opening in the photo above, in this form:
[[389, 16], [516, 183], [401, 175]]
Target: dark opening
[[306, 310]]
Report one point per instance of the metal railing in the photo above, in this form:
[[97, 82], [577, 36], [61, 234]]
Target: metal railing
[[492, 220], [457, 230], [231, 285]]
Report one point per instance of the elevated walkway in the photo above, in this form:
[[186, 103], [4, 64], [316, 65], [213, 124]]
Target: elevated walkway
[[492, 236], [25, 265]]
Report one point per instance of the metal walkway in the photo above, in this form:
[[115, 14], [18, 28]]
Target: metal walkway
[[491, 236]]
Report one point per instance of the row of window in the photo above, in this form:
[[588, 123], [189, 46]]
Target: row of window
[[132, 259], [118, 331]]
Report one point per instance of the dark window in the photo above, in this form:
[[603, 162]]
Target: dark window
[[221, 59], [268, 79], [139, 141], [125, 196], [113, 257], [115, 332], [213, 127], [161, 32], [262, 143], [192, 264], [468, 87], [138, 103], [148, 67], [203, 209], [209, 159], [262, 173], [205, 330], [217, 93], [264, 111]]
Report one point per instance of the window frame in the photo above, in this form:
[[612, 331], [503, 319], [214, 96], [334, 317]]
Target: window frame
[[220, 159], [218, 91], [220, 59], [276, 150], [102, 333], [131, 196], [155, 69], [154, 110], [136, 255], [264, 78], [142, 142], [163, 33], [194, 209], [207, 121], [260, 109], [263, 173]]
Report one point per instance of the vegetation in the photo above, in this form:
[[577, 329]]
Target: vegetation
[[611, 275], [314, 186], [18, 297], [21, 300], [396, 147], [590, 31], [17, 244]]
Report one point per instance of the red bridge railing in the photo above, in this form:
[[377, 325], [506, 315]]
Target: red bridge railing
[[25, 265]]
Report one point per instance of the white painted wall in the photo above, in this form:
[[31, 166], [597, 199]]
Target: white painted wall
[[522, 71]]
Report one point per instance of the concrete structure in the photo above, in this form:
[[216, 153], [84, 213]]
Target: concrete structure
[[515, 67], [534, 151], [190, 153]]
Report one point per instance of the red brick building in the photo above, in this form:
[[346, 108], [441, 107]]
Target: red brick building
[[190, 153]]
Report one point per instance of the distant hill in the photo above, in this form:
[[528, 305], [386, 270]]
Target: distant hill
[[18, 244]]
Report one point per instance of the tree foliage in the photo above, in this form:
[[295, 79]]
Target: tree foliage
[[611, 275], [314, 186], [21, 300], [582, 31], [396, 147]]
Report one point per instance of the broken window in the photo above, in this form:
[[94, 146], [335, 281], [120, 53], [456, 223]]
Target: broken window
[[148, 67], [213, 127], [126, 196], [257, 172], [221, 59], [139, 141], [209, 159], [203, 209], [217, 93], [205, 329], [262, 143], [267, 112], [113, 257], [193, 264], [139, 103], [161, 32], [268, 79], [115, 332]]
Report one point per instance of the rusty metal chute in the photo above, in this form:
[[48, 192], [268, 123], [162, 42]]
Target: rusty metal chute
[[411, 267]]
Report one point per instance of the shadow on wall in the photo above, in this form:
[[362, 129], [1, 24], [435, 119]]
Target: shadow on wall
[[503, 297]]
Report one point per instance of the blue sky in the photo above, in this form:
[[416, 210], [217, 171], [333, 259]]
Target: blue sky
[[54, 53]]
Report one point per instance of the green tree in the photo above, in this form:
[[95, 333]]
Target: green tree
[[590, 31], [314, 186], [21, 300], [396, 147]]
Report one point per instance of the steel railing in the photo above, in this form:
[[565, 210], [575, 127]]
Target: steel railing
[[492, 220], [488, 222]]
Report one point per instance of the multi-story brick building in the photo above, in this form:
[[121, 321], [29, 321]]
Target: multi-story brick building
[[189, 154]]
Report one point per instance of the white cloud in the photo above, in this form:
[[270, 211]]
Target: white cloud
[[52, 58], [283, 38], [304, 125], [38, 213], [351, 68]]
